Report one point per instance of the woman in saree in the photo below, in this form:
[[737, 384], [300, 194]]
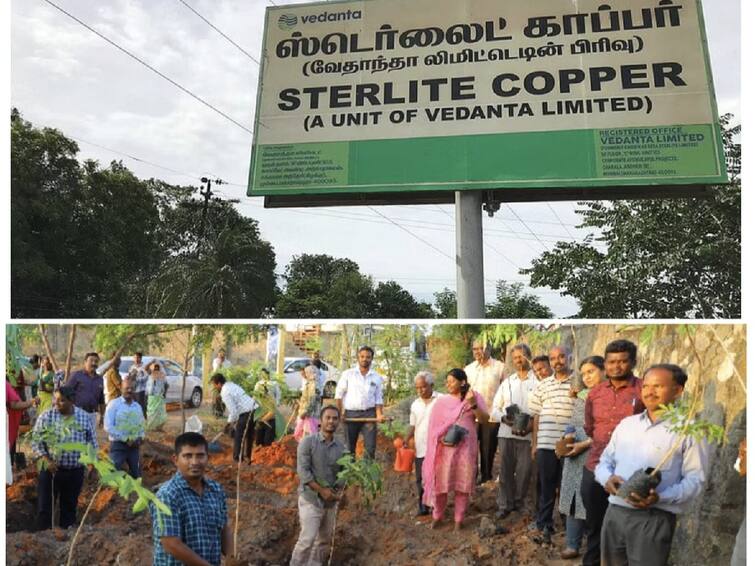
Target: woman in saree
[[309, 404], [449, 467], [156, 387], [46, 385]]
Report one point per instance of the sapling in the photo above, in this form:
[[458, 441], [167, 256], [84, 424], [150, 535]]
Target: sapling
[[680, 417], [392, 429], [122, 483]]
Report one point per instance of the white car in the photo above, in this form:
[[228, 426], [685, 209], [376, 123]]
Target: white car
[[292, 371], [174, 374]]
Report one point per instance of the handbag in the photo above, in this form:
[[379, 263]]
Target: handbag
[[455, 433]]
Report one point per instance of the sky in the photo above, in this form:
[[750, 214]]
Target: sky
[[65, 76]]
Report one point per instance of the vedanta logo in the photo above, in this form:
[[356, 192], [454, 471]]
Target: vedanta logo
[[287, 21], [332, 17]]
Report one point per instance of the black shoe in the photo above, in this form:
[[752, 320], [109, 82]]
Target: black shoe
[[423, 511]]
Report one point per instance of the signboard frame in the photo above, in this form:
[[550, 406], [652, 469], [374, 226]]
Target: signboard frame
[[533, 190]]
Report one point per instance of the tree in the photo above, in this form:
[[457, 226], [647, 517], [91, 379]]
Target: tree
[[512, 302], [219, 268], [93, 242], [445, 303], [657, 258], [323, 286], [390, 300]]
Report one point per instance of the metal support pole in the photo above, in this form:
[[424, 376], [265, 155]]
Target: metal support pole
[[470, 282]]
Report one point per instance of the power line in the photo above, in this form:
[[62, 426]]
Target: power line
[[205, 20], [150, 67], [373, 209], [526, 225], [553, 210], [485, 242]]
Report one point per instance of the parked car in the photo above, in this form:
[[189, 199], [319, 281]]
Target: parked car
[[292, 371], [174, 374]]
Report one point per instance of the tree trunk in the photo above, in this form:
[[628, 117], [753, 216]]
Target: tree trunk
[[48, 350], [69, 352]]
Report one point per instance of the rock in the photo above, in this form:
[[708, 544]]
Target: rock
[[486, 528], [483, 551]]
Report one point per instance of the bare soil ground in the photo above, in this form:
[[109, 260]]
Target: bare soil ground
[[387, 534]]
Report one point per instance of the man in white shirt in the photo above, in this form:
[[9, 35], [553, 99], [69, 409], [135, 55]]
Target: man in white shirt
[[515, 445], [359, 395], [220, 362], [419, 419], [639, 530], [485, 375], [240, 413]]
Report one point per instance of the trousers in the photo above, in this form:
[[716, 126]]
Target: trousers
[[636, 537], [121, 453], [65, 486], [244, 431], [317, 524], [595, 498], [516, 469], [368, 430]]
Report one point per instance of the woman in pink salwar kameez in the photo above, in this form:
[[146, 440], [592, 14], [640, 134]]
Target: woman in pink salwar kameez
[[452, 468]]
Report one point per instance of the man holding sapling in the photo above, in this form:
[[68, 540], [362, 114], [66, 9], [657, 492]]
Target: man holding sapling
[[124, 424], [551, 407], [484, 375], [511, 409], [617, 397], [61, 475], [359, 396], [317, 467], [419, 419], [639, 526], [196, 533]]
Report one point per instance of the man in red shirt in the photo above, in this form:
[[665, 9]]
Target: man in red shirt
[[608, 403]]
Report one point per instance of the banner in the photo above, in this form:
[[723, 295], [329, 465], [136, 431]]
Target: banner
[[392, 95]]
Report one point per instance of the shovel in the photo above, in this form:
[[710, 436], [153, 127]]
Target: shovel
[[214, 446]]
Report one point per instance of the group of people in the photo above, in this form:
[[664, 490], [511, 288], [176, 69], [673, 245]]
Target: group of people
[[581, 433], [67, 413]]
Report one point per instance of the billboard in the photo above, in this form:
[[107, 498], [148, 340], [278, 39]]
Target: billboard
[[383, 96]]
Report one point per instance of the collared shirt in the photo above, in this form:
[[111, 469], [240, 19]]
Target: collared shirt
[[89, 390], [419, 418], [513, 391], [316, 461], [360, 392], [236, 401], [485, 379], [552, 402], [605, 406], [124, 421], [638, 443], [64, 428], [197, 520], [140, 377]]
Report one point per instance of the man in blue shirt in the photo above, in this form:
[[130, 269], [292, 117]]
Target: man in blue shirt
[[124, 424], [62, 424], [197, 532], [639, 530]]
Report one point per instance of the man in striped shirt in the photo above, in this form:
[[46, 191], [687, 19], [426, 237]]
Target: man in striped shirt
[[551, 407], [240, 413]]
